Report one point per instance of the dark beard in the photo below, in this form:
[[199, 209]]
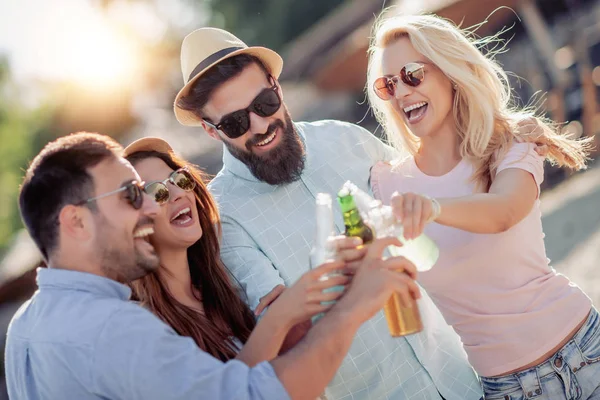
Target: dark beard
[[283, 164], [118, 263]]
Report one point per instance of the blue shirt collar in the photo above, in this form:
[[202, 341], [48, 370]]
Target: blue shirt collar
[[240, 169], [82, 281]]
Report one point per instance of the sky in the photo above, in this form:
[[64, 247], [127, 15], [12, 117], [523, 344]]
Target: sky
[[73, 39]]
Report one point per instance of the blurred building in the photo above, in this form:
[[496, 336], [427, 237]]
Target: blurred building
[[554, 48]]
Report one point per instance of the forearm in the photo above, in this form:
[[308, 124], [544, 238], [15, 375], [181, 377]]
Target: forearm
[[306, 369], [265, 341], [478, 213]]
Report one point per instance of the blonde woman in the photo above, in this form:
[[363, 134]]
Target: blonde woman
[[528, 331]]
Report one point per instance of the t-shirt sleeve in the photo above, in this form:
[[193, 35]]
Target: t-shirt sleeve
[[523, 156]]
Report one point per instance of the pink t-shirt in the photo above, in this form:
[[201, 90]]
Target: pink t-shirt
[[497, 290]]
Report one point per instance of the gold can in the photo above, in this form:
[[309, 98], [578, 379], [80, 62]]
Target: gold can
[[402, 320]]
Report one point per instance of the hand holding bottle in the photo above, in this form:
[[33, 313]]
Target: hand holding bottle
[[414, 211], [421, 250], [303, 299], [308, 295], [376, 280]]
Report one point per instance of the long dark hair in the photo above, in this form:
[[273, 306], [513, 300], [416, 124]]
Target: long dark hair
[[226, 316]]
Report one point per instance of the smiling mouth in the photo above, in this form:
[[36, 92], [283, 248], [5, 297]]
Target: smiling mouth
[[143, 233], [415, 111], [183, 217], [268, 140]]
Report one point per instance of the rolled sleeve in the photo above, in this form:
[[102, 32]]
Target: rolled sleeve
[[523, 156], [139, 357], [247, 263]]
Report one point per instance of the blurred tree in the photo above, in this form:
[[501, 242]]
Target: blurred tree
[[270, 23], [23, 130]]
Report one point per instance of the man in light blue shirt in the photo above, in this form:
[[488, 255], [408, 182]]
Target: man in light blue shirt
[[273, 169], [80, 338]]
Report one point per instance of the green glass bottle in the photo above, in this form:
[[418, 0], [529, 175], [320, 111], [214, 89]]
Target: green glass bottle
[[355, 225], [401, 320]]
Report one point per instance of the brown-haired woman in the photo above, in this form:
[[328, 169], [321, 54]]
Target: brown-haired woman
[[192, 291]]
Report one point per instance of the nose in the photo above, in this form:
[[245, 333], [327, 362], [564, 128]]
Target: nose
[[175, 192], [258, 124], [402, 90], [149, 206]]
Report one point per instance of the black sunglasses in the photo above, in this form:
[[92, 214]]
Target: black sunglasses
[[133, 193], [235, 124], [160, 191], [412, 74]]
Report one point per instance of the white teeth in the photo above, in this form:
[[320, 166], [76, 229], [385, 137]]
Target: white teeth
[[414, 106], [184, 211], [142, 232], [267, 140], [183, 221]]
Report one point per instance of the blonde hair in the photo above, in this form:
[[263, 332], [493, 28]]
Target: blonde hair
[[486, 121]]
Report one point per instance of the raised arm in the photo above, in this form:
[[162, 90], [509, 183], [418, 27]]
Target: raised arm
[[137, 357], [510, 199], [295, 306], [306, 369]]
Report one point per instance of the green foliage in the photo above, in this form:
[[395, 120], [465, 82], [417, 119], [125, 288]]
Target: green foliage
[[270, 23], [20, 132]]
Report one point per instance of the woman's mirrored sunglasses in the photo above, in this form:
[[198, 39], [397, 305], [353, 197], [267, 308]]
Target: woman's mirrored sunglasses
[[412, 74], [160, 191]]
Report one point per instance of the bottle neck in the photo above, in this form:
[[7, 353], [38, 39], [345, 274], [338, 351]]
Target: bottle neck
[[353, 219]]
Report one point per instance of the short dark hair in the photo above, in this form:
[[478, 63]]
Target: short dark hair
[[59, 176], [215, 76]]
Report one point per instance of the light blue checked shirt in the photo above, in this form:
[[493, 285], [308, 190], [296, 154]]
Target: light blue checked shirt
[[267, 235], [80, 337]]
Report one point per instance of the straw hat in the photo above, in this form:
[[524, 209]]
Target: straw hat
[[148, 144], [206, 47]]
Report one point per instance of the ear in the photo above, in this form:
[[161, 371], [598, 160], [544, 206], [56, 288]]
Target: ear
[[76, 222], [212, 132]]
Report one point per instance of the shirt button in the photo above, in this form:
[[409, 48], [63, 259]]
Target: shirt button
[[582, 364], [538, 391], [558, 362]]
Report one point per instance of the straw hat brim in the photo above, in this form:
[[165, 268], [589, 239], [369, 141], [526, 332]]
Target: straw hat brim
[[271, 59], [148, 144]]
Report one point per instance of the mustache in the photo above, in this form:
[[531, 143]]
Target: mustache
[[262, 136]]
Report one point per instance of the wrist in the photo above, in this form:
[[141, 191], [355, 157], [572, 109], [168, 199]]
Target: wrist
[[277, 318], [277, 324], [344, 318], [436, 209]]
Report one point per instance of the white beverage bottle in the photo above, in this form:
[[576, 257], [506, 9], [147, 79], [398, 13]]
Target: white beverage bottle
[[421, 251], [323, 249]]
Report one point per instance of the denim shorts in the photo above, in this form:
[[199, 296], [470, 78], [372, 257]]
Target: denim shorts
[[572, 373]]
